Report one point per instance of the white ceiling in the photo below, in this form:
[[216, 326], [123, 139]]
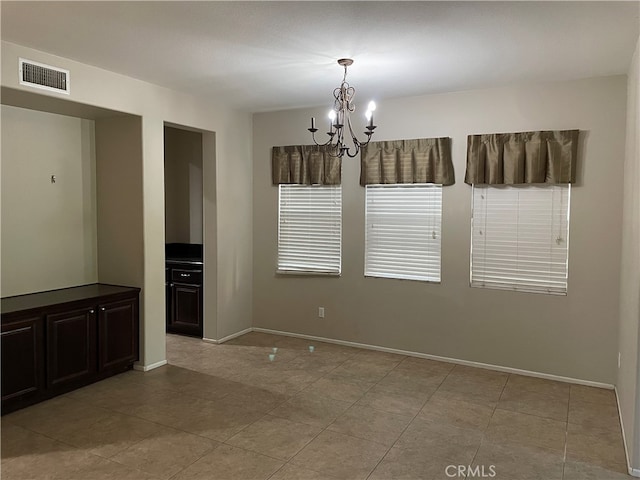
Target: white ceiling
[[263, 56]]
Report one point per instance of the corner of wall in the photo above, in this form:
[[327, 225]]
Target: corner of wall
[[628, 384]]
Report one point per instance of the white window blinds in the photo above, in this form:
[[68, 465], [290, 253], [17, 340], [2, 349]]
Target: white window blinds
[[403, 224], [310, 229], [520, 238]]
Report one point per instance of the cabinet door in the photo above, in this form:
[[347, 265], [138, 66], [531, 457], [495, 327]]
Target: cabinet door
[[118, 334], [22, 360], [71, 347], [186, 315]]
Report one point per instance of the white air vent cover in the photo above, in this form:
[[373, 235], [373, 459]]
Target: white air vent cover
[[43, 76]]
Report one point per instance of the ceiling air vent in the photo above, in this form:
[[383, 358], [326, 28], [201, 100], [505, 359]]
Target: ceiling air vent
[[43, 76]]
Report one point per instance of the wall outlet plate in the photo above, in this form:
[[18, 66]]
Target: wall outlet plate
[[320, 312]]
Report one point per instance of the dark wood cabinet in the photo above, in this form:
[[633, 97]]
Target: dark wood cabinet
[[184, 309], [56, 341], [22, 359], [71, 346], [118, 333]]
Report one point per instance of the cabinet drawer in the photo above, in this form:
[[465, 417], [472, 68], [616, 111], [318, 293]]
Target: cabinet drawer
[[192, 277]]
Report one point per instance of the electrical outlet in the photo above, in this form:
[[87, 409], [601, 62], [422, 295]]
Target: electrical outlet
[[320, 312], [618, 359]]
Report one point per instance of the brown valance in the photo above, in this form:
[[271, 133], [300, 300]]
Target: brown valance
[[525, 157], [305, 165], [423, 160]]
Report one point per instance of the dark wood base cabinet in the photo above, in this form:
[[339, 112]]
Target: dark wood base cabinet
[[56, 341], [184, 305]]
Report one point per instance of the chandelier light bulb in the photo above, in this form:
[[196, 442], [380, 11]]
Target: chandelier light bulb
[[332, 115], [372, 106]]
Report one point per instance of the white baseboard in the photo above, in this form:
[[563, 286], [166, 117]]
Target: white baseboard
[[635, 472], [228, 337], [469, 363], [146, 368]]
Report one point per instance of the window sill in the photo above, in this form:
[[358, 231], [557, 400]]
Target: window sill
[[509, 288], [433, 282], [296, 273]]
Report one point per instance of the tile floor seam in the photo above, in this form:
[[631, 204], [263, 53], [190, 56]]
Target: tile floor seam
[[346, 435], [72, 448], [256, 452], [187, 466], [164, 425], [333, 421], [319, 433], [484, 432], [150, 473], [288, 462], [51, 438], [385, 454], [264, 454], [298, 466], [529, 413], [566, 435], [401, 433]]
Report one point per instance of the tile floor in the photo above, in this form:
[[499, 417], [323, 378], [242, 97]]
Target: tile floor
[[227, 412]]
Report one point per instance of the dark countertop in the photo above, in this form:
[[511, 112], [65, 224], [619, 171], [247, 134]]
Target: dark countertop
[[190, 261], [32, 301]]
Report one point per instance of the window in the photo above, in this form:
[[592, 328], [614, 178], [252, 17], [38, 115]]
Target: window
[[403, 224], [520, 238], [310, 229]]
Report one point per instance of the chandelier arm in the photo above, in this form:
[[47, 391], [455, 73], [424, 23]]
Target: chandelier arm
[[313, 136], [356, 151]]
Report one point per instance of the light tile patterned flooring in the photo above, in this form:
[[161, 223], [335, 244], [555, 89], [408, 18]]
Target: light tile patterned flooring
[[227, 412]]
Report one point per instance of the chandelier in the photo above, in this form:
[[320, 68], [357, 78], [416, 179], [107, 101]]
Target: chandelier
[[340, 119]]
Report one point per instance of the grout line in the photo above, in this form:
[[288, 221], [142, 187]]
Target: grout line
[[484, 432], [409, 423], [566, 436], [322, 429]]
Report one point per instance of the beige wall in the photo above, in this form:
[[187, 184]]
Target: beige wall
[[119, 198], [231, 162], [573, 336], [48, 230], [627, 381], [183, 185]]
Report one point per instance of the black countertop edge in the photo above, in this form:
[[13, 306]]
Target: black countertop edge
[[190, 261], [31, 301]]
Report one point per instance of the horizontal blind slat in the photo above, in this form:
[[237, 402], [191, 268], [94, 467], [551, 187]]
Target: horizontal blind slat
[[402, 234], [520, 237], [310, 228]]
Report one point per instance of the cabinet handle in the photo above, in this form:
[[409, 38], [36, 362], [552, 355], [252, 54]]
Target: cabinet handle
[[102, 308], [171, 284], [92, 311], [185, 274]]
